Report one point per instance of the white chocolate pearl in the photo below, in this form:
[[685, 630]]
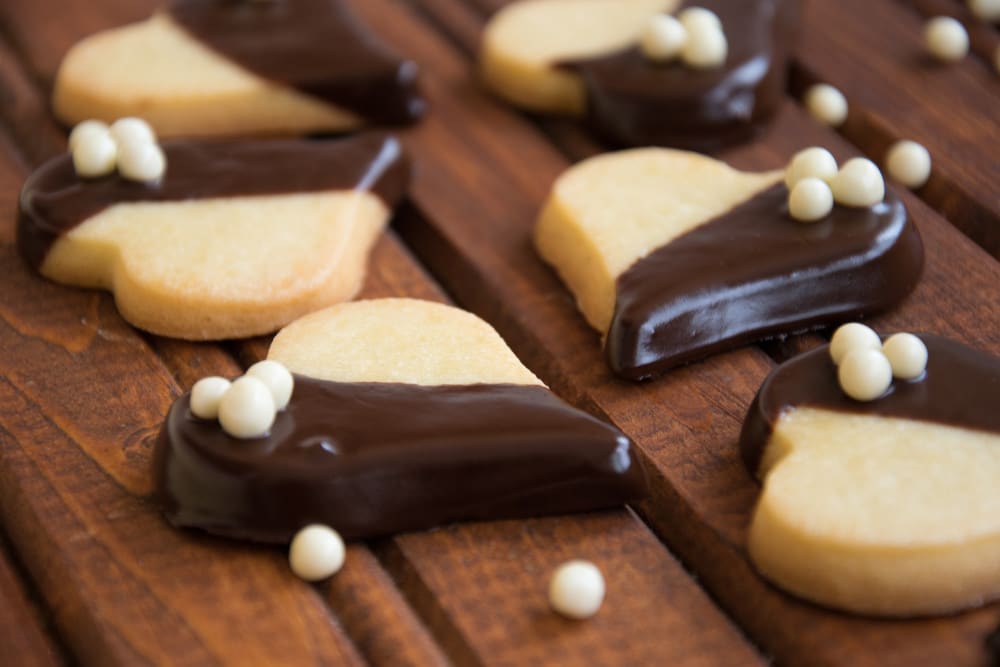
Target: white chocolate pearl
[[946, 39], [907, 355], [987, 10], [132, 130], [865, 375], [859, 183], [810, 200], [94, 154], [278, 380], [826, 104], [577, 589], [247, 409], [706, 47], [316, 552], [663, 38], [206, 395], [816, 162], [909, 163], [85, 128], [141, 161], [853, 336], [694, 18]]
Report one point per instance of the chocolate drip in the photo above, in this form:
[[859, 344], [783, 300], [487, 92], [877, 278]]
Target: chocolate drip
[[315, 46], [960, 388], [54, 199], [373, 459], [635, 102], [755, 272]]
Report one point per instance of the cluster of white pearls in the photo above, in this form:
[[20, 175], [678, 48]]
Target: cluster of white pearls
[[316, 553], [247, 407], [695, 36], [577, 589], [946, 39], [866, 365], [826, 104], [129, 145], [815, 183]]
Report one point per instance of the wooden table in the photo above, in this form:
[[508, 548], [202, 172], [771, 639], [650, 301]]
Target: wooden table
[[90, 573]]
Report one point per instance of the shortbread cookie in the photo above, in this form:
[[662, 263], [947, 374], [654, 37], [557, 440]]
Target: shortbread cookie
[[404, 415], [225, 68], [886, 507], [673, 256], [237, 239], [586, 58]]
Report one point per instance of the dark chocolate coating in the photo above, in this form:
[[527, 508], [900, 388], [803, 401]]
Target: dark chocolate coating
[[54, 199], [961, 387], [755, 272], [634, 101], [315, 46], [371, 459]]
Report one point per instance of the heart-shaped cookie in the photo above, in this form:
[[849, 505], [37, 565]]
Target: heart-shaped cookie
[[405, 415], [236, 239], [888, 507], [223, 68], [673, 256]]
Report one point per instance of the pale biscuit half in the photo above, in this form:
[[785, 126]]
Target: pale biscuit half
[[608, 212], [525, 41], [398, 340], [879, 515]]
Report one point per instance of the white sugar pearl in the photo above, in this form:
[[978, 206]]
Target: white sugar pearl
[[278, 380], [826, 104], [853, 336], [706, 47], [813, 162], [663, 38], [317, 552], [94, 154], [577, 589], [810, 200], [909, 163], [85, 128], [206, 395], [987, 10], [141, 161], [132, 130], [694, 18], [859, 183], [907, 355], [247, 409], [946, 39], [865, 375]]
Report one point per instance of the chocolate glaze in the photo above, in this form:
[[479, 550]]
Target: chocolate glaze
[[373, 459], [54, 199], [960, 388], [315, 46], [755, 272], [635, 102]]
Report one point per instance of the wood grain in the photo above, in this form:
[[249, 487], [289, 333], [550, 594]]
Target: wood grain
[[23, 637]]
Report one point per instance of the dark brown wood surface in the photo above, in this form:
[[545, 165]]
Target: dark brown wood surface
[[90, 573]]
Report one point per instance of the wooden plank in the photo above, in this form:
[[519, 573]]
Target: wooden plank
[[23, 638], [687, 423], [984, 40]]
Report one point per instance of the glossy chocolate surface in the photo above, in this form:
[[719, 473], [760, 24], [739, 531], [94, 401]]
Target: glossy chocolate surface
[[755, 272], [372, 459], [315, 46], [960, 388], [54, 199], [636, 102]]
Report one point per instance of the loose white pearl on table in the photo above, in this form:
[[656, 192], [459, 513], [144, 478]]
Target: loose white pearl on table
[[94, 154], [694, 18], [141, 161], [85, 128], [706, 46], [247, 409], [864, 375], [987, 10], [826, 104], [278, 380], [853, 336], [663, 38], [810, 200], [907, 355], [946, 39], [206, 395], [316, 552], [859, 183], [577, 589], [816, 162], [132, 130], [909, 163]]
